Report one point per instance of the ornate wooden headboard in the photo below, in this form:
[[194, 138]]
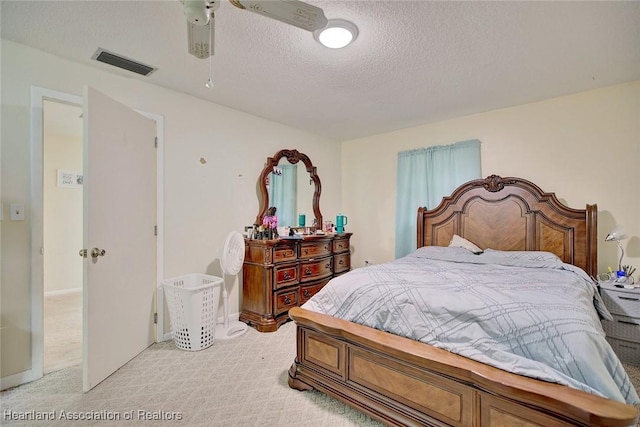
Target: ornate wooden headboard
[[513, 214]]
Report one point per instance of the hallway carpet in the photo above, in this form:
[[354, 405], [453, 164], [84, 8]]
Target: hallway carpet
[[62, 331]]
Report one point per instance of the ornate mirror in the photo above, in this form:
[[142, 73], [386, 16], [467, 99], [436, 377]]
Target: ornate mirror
[[300, 197]]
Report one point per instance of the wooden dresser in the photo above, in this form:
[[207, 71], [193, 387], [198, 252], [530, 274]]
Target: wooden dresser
[[283, 273]]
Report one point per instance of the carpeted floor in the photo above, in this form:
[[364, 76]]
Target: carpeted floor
[[62, 331], [634, 374], [239, 382]]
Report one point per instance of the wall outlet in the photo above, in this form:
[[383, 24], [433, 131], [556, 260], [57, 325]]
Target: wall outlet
[[368, 262]]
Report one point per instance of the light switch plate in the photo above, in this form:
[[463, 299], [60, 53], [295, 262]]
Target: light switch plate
[[17, 212]]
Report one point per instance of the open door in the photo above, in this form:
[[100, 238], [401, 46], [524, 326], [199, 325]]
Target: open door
[[119, 235]]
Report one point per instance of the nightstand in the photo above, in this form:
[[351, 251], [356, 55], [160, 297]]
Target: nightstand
[[623, 333]]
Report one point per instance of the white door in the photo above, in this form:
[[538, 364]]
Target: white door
[[119, 219]]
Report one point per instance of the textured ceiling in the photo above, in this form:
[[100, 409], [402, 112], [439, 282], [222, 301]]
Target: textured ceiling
[[413, 62]]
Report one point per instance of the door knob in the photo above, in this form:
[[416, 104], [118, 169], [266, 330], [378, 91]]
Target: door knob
[[95, 252], [83, 253]]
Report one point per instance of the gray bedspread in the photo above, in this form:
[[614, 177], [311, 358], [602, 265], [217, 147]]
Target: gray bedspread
[[526, 313]]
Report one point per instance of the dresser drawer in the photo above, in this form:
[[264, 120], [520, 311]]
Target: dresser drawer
[[284, 300], [284, 253], [282, 273], [307, 291], [623, 327], [622, 303], [340, 245], [627, 351], [342, 263], [316, 269], [285, 275], [315, 249]]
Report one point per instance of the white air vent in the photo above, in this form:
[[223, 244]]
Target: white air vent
[[120, 61]]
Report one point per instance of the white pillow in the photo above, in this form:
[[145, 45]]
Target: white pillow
[[461, 242], [540, 256]]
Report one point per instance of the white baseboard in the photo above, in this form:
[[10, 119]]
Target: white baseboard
[[62, 292], [18, 379]]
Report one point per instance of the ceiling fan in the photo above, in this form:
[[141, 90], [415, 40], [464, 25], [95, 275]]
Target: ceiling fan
[[200, 19]]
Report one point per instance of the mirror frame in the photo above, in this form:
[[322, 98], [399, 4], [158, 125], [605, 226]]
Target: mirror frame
[[293, 156]]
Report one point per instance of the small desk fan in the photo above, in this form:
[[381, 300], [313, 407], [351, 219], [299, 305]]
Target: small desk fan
[[231, 261]]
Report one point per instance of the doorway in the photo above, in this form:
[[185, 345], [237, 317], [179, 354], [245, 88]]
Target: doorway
[[62, 234], [38, 98]]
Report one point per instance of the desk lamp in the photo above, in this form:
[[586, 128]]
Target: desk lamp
[[617, 234]]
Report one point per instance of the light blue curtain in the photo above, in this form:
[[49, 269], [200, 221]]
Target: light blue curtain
[[425, 176], [282, 194]]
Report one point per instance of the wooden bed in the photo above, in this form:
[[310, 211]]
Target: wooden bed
[[405, 382]]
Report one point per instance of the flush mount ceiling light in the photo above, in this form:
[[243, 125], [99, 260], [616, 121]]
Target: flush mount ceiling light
[[337, 34]]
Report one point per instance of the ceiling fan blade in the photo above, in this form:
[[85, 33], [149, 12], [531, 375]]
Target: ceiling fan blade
[[201, 38], [293, 12]]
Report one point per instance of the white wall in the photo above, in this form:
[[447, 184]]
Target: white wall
[[62, 221], [584, 147], [203, 202]]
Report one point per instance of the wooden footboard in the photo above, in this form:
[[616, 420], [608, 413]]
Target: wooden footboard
[[404, 382]]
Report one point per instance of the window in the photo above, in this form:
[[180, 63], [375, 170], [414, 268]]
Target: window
[[425, 176]]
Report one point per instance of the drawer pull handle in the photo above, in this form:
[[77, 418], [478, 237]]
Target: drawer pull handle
[[287, 300], [308, 271], [307, 294], [629, 299], [326, 248], [628, 323], [341, 262], [306, 251], [628, 346], [327, 266], [287, 276]]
